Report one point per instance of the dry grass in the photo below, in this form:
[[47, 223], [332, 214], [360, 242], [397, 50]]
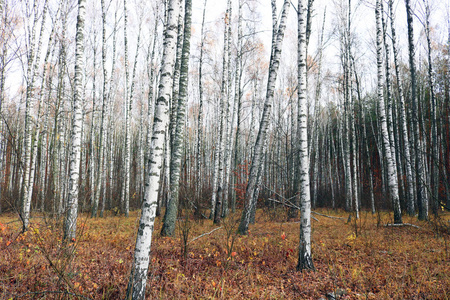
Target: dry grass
[[362, 260]]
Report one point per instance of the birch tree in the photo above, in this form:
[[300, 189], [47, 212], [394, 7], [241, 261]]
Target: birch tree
[[128, 105], [200, 112], [304, 258], [258, 156], [403, 122], [138, 276], [422, 197], [33, 60], [170, 216], [434, 161], [102, 138], [391, 167], [220, 154], [70, 221]]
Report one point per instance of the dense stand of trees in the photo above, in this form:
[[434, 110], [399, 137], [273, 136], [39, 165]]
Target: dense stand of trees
[[223, 120]]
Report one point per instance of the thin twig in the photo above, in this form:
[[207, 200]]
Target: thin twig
[[207, 233], [286, 199], [285, 204]]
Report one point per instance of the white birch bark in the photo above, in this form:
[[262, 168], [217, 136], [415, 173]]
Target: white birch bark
[[347, 142], [304, 258], [199, 151], [216, 198], [434, 161], [315, 153], [391, 168], [151, 78], [32, 65], [229, 121], [170, 216], [238, 104], [94, 142], [60, 166], [70, 220], [111, 131], [224, 115], [138, 277], [421, 194], [176, 81], [258, 157], [354, 135], [45, 78], [403, 123], [102, 138], [389, 102], [128, 105]]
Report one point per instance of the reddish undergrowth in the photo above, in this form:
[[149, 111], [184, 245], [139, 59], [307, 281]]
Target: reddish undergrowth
[[359, 260]]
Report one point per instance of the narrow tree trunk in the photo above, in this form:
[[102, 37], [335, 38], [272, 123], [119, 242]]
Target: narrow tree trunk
[[33, 63], [102, 139], [171, 213], [304, 258], [200, 116], [434, 160], [128, 105], [403, 122], [391, 168], [259, 151], [138, 277], [70, 221], [422, 198]]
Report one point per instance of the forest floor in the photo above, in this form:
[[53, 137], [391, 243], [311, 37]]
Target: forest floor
[[355, 260]]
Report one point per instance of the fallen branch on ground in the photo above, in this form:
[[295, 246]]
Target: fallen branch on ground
[[54, 292], [207, 233], [331, 217], [403, 224], [314, 218]]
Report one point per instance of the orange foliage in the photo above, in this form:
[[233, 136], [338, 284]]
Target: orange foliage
[[373, 263]]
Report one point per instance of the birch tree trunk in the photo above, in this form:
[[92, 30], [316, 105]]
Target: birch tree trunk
[[258, 157], [403, 122], [32, 65], [347, 142], [238, 100], [3, 64], [229, 121], [138, 276], [70, 221], [102, 139], [126, 188], [45, 78], [315, 152], [94, 141], [422, 198], [216, 198], [199, 151], [111, 120], [434, 161], [304, 258], [170, 216], [224, 116], [59, 169], [391, 168]]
